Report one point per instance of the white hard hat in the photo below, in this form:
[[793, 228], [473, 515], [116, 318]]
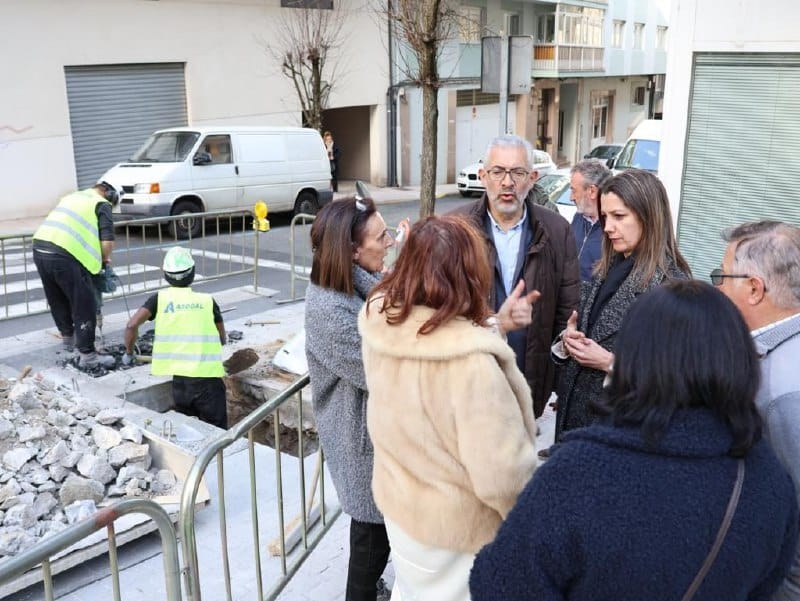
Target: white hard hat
[[178, 260]]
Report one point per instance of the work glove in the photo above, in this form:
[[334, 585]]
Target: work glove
[[128, 359]]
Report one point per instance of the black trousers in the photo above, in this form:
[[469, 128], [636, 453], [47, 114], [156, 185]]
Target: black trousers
[[201, 397], [369, 552], [69, 291]]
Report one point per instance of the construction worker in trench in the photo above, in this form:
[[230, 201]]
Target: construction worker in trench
[[71, 246], [189, 334]]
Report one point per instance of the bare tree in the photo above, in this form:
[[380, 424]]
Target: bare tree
[[306, 34], [422, 27]]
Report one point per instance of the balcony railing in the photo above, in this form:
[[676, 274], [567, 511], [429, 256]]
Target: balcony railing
[[559, 58]]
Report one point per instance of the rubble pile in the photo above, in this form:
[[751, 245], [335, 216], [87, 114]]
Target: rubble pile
[[60, 457]]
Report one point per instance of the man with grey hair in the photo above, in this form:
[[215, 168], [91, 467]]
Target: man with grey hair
[[760, 273], [527, 243], [586, 179]]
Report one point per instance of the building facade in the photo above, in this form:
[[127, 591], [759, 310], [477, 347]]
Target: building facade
[[731, 146], [87, 81], [597, 70]]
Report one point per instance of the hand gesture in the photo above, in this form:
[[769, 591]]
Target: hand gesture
[[515, 312]]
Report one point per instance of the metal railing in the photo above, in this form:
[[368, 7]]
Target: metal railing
[[226, 246], [308, 514], [304, 270], [42, 553], [567, 58]]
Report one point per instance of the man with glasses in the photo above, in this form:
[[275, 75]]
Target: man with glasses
[[760, 273], [530, 243]]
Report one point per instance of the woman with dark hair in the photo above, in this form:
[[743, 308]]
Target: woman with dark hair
[[639, 253], [349, 241], [450, 413], [671, 494]]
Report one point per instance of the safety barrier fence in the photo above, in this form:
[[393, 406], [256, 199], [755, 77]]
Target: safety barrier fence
[[299, 270], [304, 533], [44, 552], [224, 245]]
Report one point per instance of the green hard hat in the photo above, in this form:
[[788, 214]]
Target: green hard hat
[[177, 260]]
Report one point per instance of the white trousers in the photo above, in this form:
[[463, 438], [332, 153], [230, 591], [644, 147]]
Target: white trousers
[[425, 573]]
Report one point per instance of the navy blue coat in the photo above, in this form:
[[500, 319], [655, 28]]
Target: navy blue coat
[[609, 518]]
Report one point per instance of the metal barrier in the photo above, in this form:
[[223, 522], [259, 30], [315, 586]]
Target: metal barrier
[[226, 246], [47, 548], [215, 450], [305, 271]]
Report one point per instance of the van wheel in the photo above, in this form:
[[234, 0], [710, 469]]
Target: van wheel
[[306, 203], [187, 227]]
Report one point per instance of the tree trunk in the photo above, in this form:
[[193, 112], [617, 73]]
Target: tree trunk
[[430, 122]]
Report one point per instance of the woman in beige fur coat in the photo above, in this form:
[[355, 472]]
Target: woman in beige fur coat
[[450, 414]]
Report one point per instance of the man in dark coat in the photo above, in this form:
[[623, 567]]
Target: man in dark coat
[[526, 242]]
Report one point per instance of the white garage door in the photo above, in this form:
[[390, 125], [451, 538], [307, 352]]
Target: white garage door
[[475, 128], [114, 108]]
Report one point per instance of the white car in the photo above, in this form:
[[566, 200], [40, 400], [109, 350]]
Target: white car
[[468, 181]]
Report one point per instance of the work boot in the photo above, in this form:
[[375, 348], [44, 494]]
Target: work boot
[[89, 361], [68, 343]]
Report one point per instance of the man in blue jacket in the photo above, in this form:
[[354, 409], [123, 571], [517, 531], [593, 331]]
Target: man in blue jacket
[[760, 273], [586, 179]]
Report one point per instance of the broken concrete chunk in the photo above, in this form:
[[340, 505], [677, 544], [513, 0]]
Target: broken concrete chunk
[[44, 504], [79, 511], [127, 452], [55, 453], [76, 488], [105, 437], [131, 433], [16, 458], [109, 416], [96, 468], [163, 482], [6, 428], [26, 433]]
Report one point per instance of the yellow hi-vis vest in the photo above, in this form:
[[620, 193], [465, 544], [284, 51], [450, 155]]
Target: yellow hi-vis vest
[[187, 340], [72, 225]]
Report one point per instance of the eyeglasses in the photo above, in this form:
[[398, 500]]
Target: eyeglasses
[[717, 276], [498, 174]]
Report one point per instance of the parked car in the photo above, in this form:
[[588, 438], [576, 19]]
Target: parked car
[[469, 182], [604, 152], [556, 185], [642, 148], [187, 170]]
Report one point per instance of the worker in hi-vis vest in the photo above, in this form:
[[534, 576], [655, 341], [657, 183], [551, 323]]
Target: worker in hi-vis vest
[[188, 341], [72, 244]]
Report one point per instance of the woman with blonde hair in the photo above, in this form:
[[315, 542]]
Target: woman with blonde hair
[[450, 414]]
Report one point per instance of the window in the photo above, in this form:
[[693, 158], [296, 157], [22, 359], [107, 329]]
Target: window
[[661, 37], [638, 36], [580, 26], [219, 147], [325, 4], [637, 95], [512, 22], [600, 113], [618, 34], [546, 29], [471, 22]]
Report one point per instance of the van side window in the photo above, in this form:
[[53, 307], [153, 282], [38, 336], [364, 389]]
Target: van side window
[[219, 147]]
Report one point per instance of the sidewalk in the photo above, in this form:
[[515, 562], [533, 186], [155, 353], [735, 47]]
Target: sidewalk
[[18, 227]]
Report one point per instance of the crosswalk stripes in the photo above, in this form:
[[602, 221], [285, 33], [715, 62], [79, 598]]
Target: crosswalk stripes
[[21, 288]]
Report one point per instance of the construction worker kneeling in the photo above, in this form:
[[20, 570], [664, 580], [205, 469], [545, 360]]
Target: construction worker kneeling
[[189, 334]]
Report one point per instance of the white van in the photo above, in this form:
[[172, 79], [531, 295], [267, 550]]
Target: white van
[[196, 169], [642, 148]]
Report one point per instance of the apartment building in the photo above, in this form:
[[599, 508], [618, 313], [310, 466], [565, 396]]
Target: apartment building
[[597, 70], [731, 151], [86, 81]]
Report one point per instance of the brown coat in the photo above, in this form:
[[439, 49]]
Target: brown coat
[[551, 267]]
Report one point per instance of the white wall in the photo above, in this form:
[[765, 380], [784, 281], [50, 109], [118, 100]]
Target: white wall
[[714, 26], [229, 77]]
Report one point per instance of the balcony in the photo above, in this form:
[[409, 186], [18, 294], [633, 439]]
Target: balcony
[[557, 60]]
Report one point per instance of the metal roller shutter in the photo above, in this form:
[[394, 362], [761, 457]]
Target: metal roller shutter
[[114, 108], [742, 154]]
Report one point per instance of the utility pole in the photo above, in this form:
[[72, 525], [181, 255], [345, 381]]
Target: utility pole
[[504, 81]]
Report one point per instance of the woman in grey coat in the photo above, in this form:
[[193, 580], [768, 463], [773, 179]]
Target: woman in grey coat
[[349, 241], [639, 252]]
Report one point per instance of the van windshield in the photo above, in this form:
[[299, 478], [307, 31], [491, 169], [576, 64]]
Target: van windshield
[[639, 154], [166, 147]]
